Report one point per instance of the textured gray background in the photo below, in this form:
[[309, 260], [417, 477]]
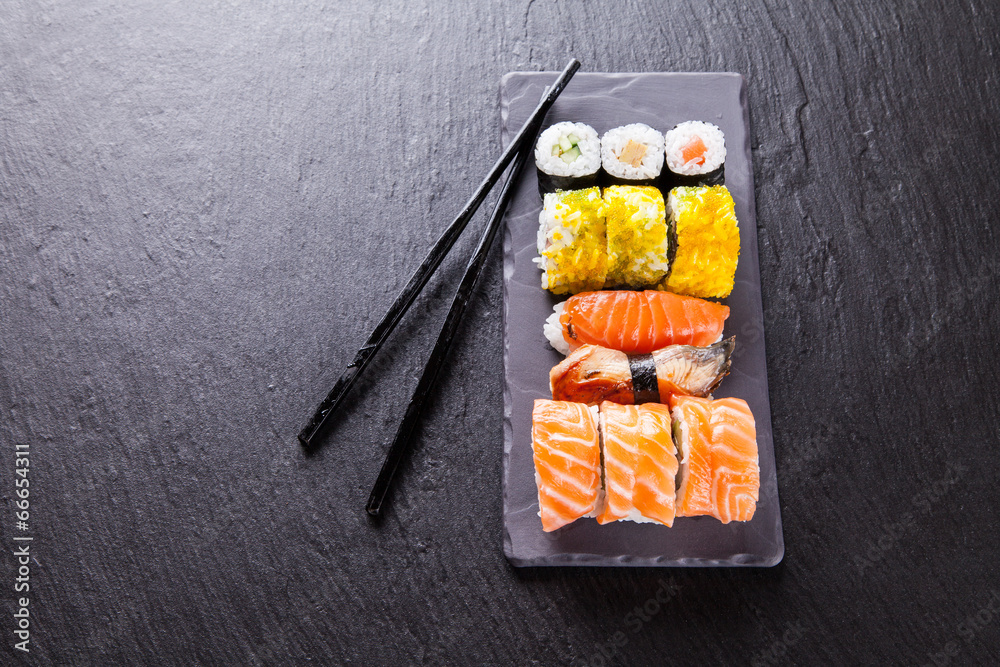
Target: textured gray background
[[206, 206]]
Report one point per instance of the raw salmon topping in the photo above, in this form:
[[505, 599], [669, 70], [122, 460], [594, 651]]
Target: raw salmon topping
[[639, 463], [719, 469], [640, 322], [693, 152]]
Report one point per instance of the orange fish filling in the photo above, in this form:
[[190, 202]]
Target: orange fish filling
[[694, 151]]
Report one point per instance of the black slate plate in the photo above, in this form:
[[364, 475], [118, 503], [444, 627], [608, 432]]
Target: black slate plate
[[605, 101]]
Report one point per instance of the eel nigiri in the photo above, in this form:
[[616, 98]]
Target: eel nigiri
[[567, 455], [634, 322], [639, 464], [591, 374], [719, 470]]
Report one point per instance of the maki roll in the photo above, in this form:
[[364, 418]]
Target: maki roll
[[695, 155], [640, 238], [568, 157], [572, 243], [708, 242], [632, 155]]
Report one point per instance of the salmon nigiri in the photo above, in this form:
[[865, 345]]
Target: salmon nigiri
[[719, 470], [635, 322], [567, 456], [592, 374], [639, 463]]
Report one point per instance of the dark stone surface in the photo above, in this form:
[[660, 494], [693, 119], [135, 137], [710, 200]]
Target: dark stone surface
[[196, 207]]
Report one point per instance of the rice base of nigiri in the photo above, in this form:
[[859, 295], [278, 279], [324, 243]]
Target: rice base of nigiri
[[553, 330]]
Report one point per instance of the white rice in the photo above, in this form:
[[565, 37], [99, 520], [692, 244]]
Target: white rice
[[589, 160], [711, 136], [549, 227], [553, 330], [547, 224], [615, 140]]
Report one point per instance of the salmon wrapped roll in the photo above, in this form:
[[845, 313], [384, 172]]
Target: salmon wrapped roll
[[639, 464], [567, 456], [719, 470]]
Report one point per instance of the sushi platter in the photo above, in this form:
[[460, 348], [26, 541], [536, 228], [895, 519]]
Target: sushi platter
[[637, 423]]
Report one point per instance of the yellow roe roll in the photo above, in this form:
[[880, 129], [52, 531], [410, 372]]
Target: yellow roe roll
[[638, 236], [708, 242], [572, 242]]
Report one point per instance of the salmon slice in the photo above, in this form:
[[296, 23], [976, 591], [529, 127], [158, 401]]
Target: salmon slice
[[567, 456], [620, 449], [653, 494], [640, 322], [639, 464], [719, 470], [693, 152], [592, 374]]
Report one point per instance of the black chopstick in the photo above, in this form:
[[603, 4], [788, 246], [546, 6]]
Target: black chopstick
[[434, 364], [319, 422], [473, 271]]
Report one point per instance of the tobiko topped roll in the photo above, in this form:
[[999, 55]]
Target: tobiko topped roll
[[708, 242], [639, 236], [572, 242]]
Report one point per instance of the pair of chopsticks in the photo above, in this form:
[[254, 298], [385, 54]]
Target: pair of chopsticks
[[517, 152]]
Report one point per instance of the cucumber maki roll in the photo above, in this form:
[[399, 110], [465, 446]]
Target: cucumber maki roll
[[568, 157], [632, 155], [695, 155]]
